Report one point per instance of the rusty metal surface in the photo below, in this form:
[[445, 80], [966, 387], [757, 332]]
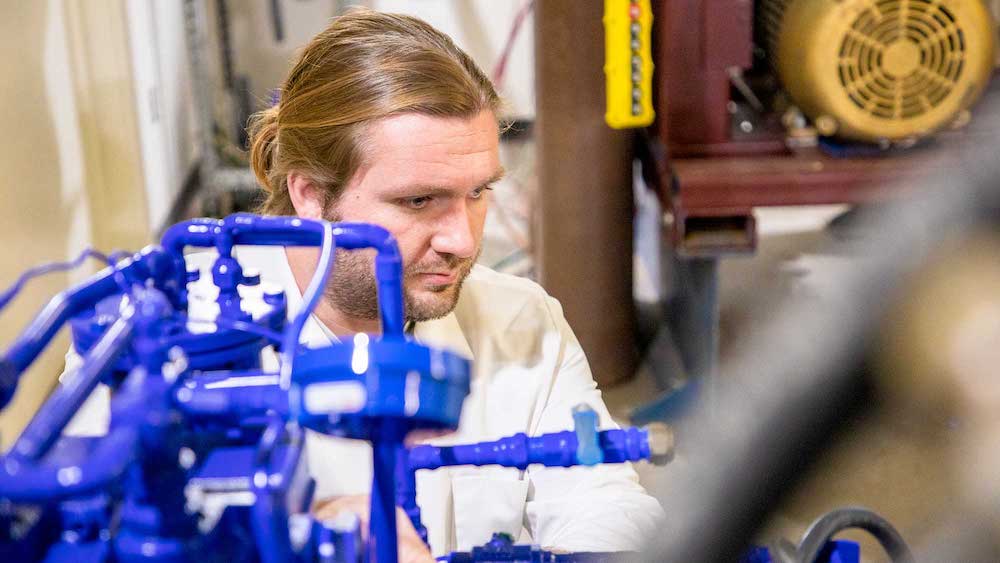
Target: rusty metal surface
[[696, 43], [712, 199], [584, 236], [802, 179], [710, 174]]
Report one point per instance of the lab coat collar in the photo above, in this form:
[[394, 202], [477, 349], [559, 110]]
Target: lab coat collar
[[445, 333]]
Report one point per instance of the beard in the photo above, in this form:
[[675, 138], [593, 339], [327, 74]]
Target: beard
[[353, 290]]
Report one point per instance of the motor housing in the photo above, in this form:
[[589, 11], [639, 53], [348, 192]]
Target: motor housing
[[880, 70]]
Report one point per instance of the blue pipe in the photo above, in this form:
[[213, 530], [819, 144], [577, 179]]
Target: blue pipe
[[23, 476], [30, 483], [557, 449], [388, 270], [59, 309], [406, 493], [195, 232], [238, 402], [387, 438], [251, 229], [269, 515], [309, 299], [48, 423], [244, 228], [239, 229], [325, 548]]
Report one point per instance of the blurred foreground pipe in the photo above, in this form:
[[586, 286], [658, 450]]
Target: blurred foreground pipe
[[793, 380], [584, 248]]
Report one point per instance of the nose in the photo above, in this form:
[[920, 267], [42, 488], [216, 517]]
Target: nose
[[456, 232]]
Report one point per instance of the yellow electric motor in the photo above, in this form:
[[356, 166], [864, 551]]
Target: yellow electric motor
[[880, 70]]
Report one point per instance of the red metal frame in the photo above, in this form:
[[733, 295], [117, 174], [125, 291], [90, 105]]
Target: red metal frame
[[711, 178]]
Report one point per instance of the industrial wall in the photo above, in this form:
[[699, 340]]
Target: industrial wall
[[71, 162], [478, 26]]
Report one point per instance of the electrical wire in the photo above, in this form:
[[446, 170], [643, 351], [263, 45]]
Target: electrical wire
[[501, 67], [520, 240], [291, 335], [7, 295], [826, 527]]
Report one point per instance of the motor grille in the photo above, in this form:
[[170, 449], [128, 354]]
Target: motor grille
[[901, 58]]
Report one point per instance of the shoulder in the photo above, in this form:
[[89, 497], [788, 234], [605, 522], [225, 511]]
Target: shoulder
[[499, 300], [484, 279], [511, 291]]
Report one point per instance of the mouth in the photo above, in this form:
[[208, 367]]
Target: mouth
[[437, 278]]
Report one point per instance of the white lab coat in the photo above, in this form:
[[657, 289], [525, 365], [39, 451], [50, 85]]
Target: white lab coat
[[529, 371]]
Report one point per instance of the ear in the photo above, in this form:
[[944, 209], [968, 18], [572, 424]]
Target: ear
[[307, 198]]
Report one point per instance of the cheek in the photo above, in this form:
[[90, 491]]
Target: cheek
[[477, 220], [404, 229], [414, 244]]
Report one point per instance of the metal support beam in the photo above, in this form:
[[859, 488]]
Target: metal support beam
[[585, 176]]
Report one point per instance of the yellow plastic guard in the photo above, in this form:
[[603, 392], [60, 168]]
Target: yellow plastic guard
[[628, 63]]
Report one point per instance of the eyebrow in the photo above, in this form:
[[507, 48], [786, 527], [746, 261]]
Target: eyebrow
[[497, 176], [437, 190]]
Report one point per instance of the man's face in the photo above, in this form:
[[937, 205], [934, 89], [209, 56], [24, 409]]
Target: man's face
[[426, 179]]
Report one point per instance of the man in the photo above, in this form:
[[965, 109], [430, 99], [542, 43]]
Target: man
[[384, 120]]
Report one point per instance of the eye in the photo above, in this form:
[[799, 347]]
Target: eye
[[418, 202], [478, 192]]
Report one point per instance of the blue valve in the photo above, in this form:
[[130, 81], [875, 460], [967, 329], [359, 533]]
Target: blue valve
[[588, 444]]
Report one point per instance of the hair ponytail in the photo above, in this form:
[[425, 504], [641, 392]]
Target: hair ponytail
[[263, 131]]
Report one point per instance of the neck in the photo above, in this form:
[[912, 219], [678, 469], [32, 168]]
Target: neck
[[302, 262]]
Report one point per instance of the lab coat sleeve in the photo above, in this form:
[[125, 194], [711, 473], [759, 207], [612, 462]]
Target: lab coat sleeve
[[601, 508]]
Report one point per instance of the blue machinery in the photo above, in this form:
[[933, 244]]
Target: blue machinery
[[201, 459], [193, 416]]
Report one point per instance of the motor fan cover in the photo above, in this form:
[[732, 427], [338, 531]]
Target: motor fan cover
[[880, 70]]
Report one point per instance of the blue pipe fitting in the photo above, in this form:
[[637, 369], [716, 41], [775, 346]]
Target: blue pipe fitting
[[588, 448], [341, 389], [199, 232], [501, 548], [275, 297], [250, 278], [227, 274]]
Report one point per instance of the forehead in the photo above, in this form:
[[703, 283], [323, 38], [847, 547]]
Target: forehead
[[414, 149]]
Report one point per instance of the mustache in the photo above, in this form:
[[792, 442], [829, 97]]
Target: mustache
[[446, 263]]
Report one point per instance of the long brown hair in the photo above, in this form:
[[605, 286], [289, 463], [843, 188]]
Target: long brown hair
[[364, 66]]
